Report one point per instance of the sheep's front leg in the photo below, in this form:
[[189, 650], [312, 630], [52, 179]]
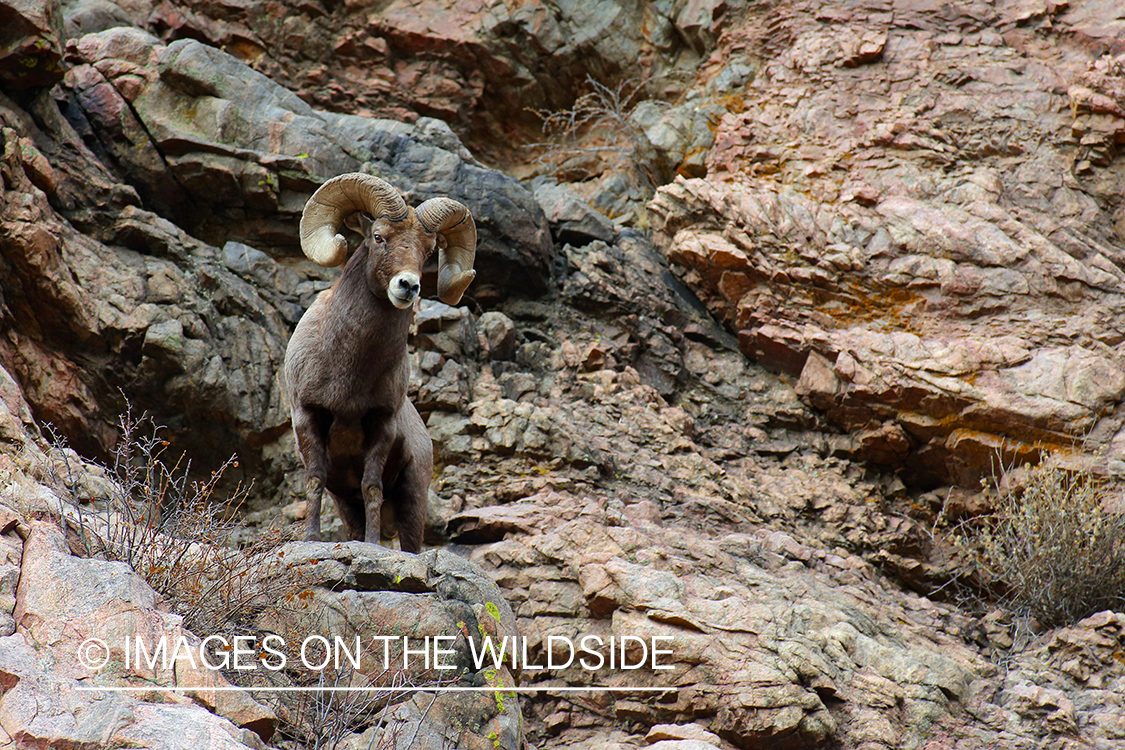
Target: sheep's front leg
[[374, 462], [311, 425]]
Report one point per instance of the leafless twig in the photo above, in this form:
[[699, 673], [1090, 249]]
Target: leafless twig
[[603, 114]]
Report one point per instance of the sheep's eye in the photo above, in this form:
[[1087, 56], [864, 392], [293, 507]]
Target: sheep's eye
[[377, 239]]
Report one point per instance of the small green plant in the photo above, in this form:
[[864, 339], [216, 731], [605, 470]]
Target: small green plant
[[1055, 546]]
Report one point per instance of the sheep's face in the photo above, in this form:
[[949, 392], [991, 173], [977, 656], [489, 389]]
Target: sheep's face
[[396, 254]]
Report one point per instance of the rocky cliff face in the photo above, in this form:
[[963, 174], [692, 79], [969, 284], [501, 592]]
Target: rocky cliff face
[[920, 218], [888, 254]]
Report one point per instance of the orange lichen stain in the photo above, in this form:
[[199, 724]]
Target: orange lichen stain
[[247, 50], [687, 170], [734, 102], [895, 308], [990, 446]]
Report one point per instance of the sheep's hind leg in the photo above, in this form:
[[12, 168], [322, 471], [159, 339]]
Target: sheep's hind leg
[[411, 492], [411, 505]]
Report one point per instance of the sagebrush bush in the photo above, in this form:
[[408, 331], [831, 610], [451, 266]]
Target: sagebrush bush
[[1056, 546]]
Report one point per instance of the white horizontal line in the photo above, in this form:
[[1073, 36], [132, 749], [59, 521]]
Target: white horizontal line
[[306, 689]]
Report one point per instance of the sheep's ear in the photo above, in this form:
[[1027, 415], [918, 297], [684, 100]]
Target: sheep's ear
[[359, 222]]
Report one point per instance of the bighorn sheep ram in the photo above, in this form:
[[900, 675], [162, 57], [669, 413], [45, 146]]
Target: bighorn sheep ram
[[346, 370]]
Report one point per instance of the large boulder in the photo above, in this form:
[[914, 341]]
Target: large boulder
[[486, 68], [135, 307], [421, 621], [231, 155], [75, 620]]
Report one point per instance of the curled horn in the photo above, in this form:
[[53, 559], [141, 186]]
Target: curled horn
[[454, 223], [333, 202]]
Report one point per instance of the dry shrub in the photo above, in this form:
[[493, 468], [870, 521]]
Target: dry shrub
[[338, 705], [1056, 545], [175, 532], [604, 115]]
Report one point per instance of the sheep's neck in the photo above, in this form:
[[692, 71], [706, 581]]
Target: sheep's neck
[[372, 330]]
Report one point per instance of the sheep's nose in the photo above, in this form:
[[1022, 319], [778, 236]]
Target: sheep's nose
[[404, 289]]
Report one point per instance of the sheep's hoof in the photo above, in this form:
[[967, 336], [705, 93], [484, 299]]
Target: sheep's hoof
[[313, 535]]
